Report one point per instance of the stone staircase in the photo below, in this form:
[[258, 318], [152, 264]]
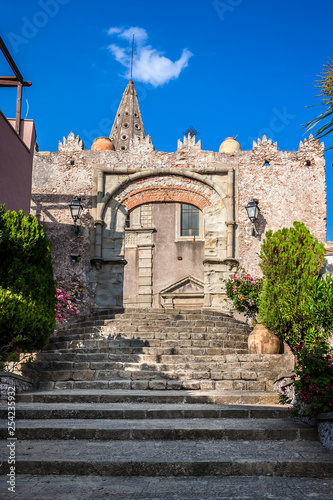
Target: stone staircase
[[156, 350], [162, 445], [126, 410]]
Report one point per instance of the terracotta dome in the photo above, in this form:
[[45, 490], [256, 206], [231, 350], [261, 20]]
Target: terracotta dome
[[229, 145], [102, 144]]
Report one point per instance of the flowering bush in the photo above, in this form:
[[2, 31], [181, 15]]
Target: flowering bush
[[64, 307], [312, 379], [243, 289]]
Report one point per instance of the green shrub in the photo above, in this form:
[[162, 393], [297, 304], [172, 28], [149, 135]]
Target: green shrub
[[27, 291], [318, 308], [290, 260]]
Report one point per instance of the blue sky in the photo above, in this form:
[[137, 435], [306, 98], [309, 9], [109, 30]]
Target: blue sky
[[229, 67]]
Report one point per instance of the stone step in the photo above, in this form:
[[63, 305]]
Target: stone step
[[73, 487], [149, 312], [241, 380], [171, 458], [250, 370], [148, 336], [132, 366], [209, 367], [163, 384], [195, 351], [158, 429], [106, 395], [134, 410], [156, 316], [87, 356], [136, 330], [140, 343]]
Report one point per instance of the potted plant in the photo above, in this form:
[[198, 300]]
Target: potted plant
[[243, 290]]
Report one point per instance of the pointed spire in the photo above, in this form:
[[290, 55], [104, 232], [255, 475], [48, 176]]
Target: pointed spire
[[128, 122]]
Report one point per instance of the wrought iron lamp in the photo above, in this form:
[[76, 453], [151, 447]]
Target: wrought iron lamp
[[253, 213], [76, 210]]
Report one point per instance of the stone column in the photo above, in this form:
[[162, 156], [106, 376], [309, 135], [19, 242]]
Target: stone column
[[145, 297], [231, 215]]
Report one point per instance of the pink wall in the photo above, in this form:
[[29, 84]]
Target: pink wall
[[16, 155]]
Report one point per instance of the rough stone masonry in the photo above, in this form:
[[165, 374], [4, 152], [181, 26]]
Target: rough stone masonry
[[131, 197]]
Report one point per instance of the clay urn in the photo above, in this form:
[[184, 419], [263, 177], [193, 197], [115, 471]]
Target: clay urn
[[262, 341], [102, 144], [230, 145]]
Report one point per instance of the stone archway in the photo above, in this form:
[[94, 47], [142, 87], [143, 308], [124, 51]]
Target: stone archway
[[153, 187]]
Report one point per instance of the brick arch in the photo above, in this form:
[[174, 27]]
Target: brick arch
[[165, 194], [165, 189]]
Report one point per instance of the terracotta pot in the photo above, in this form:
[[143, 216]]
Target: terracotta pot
[[102, 144], [229, 145], [262, 341]]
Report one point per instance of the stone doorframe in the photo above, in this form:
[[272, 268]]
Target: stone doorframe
[[211, 188]]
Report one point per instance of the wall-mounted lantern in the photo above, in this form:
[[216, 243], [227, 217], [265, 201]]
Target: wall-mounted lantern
[[76, 210], [253, 213]]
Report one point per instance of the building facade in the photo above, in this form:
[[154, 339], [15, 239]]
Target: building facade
[[166, 229]]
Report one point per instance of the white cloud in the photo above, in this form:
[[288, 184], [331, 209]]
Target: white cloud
[[113, 31], [141, 35], [119, 54], [149, 64]]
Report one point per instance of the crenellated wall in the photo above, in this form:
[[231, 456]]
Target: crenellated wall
[[289, 186]]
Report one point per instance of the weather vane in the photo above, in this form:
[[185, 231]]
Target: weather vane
[[192, 131], [132, 56]]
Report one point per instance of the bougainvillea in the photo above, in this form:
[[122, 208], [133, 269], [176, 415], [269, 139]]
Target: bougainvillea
[[312, 379], [64, 307], [244, 289]]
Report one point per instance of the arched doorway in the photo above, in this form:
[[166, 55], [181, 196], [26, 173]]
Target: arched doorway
[[164, 251], [163, 192]]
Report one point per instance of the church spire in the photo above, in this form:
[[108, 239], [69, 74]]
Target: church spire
[[128, 123]]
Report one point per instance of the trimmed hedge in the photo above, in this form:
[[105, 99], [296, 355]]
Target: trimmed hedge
[[291, 259], [27, 290]]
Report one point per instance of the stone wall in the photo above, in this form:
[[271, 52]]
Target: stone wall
[[289, 186], [325, 429], [57, 178], [12, 380]]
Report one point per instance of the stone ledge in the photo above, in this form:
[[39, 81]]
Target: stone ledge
[[9, 379], [325, 429]]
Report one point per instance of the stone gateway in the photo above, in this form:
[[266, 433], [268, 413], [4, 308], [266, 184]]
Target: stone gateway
[[166, 229]]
